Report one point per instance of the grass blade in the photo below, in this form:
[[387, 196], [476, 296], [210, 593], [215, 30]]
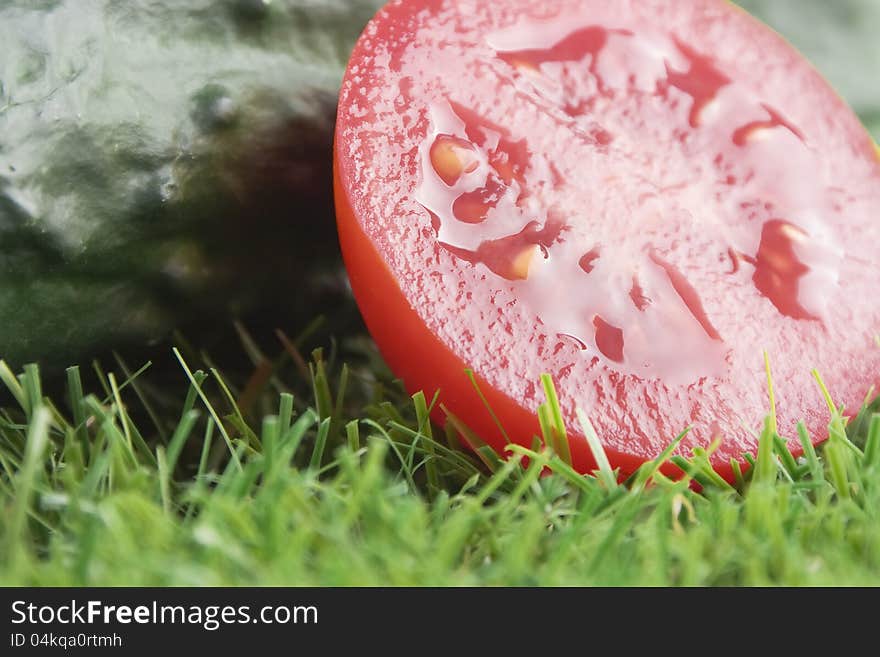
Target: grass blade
[[557, 431], [26, 480], [604, 473], [872, 444], [210, 407]]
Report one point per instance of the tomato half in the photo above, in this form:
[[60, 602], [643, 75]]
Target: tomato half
[[638, 198]]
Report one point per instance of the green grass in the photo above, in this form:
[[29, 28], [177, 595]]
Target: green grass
[[311, 473]]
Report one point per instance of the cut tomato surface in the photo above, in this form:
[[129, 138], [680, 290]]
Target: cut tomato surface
[[639, 198]]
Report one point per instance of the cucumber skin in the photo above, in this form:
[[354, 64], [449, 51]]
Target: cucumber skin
[[163, 161]]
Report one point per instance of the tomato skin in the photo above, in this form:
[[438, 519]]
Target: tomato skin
[[424, 361]]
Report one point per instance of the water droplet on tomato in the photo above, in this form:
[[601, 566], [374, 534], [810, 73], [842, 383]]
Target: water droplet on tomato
[[688, 295], [588, 259], [701, 81], [452, 158], [572, 48], [609, 340], [638, 295], [778, 270], [761, 129]]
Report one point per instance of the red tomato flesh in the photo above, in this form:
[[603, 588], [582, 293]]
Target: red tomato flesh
[[638, 198]]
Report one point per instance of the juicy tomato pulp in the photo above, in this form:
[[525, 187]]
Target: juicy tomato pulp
[[637, 198]]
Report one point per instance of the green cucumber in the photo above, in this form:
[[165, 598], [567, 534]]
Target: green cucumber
[[162, 161]]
